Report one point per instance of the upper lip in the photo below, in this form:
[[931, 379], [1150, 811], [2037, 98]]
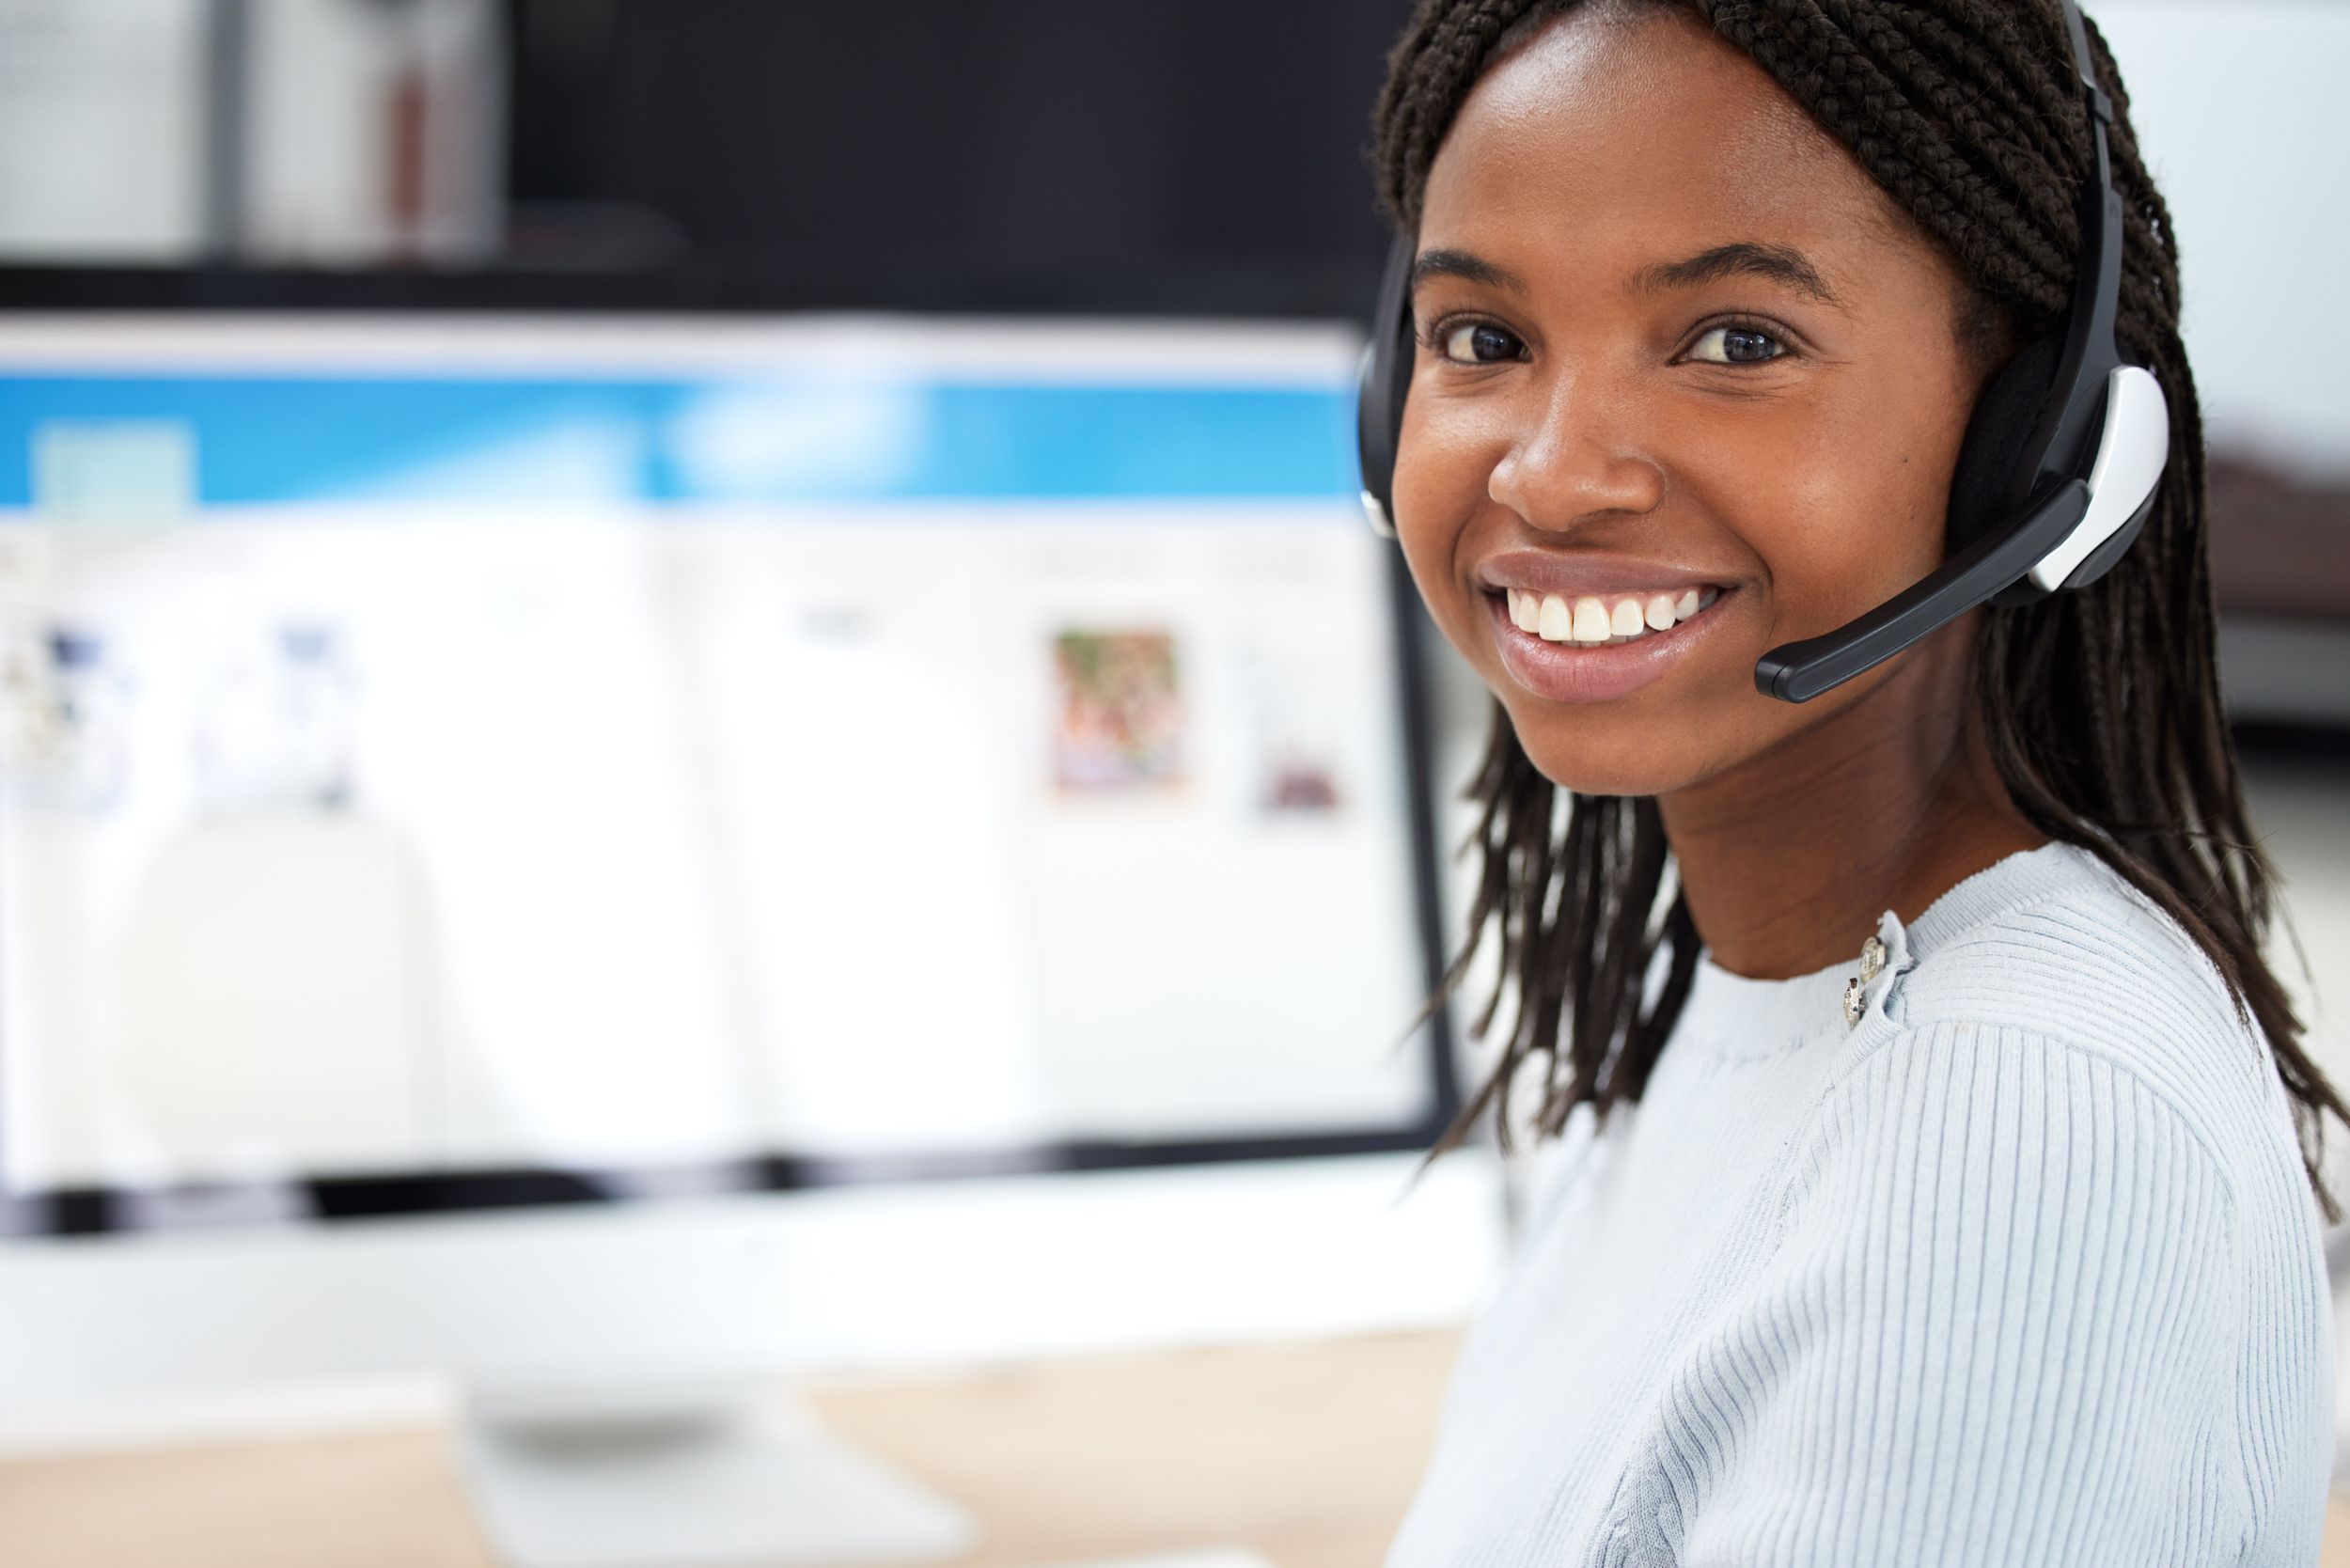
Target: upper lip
[[1570, 574]]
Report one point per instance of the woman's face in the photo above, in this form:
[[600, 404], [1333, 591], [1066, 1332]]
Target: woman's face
[[1677, 354]]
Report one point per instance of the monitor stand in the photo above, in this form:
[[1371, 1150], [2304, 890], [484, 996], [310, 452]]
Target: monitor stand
[[689, 1477]]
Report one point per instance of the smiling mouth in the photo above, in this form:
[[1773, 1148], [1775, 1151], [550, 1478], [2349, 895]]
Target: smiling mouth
[[1604, 620]]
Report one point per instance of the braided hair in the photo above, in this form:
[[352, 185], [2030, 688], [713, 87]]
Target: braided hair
[[1969, 114]]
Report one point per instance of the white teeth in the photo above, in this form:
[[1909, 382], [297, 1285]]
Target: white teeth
[[1591, 620]]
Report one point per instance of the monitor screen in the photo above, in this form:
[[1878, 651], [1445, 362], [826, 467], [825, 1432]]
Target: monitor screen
[[450, 759]]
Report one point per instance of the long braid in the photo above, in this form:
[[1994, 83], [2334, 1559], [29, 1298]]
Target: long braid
[[1969, 115]]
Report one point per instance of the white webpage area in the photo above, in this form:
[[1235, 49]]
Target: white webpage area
[[360, 838]]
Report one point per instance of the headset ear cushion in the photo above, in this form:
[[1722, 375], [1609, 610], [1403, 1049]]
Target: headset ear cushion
[[1986, 482]]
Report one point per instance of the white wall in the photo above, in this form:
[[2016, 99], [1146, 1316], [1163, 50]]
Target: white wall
[[101, 129], [104, 114], [2241, 112], [318, 137]]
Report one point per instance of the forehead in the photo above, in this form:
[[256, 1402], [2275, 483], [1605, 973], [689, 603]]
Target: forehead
[[1630, 137]]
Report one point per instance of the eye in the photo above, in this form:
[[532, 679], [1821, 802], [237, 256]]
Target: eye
[[1477, 343], [1737, 345]]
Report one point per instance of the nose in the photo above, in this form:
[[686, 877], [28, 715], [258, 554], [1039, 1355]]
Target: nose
[[1578, 456]]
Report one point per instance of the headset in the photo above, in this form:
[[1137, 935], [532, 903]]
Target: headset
[[2055, 477]]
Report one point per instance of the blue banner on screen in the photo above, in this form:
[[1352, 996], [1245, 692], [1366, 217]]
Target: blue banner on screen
[[271, 440]]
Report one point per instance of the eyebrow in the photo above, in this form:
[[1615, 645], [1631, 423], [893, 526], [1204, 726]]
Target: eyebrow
[[1464, 265], [1779, 264]]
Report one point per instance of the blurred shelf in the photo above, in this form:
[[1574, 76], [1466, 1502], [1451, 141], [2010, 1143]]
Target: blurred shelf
[[2286, 675]]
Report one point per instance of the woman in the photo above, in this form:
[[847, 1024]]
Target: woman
[[1937, 1170]]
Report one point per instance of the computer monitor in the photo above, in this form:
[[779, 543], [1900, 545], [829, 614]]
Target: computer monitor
[[927, 805]]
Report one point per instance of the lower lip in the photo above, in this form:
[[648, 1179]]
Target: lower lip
[[1582, 672]]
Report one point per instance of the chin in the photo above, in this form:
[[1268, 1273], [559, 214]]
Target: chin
[[1595, 756]]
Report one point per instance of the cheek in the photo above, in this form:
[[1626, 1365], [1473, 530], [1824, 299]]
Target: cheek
[[1843, 508], [1444, 461]]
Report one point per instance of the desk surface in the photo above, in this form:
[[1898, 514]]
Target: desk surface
[[1307, 1453]]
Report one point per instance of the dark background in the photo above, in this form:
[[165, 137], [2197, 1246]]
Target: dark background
[[1178, 152]]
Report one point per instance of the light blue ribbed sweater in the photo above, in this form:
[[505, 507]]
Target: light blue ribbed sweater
[[2020, 1270]]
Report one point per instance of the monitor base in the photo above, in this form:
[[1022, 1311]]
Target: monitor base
[[744, 1484]]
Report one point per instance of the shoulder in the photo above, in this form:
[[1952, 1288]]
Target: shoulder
[[1998, 1255], [2056, 941], [2045, 1032], [2049, 976], [2050, 965], [2044, 1036], [2018, 1137], [2044, 1222]]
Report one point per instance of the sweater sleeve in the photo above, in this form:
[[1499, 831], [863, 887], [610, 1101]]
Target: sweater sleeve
[[1997, 1328]]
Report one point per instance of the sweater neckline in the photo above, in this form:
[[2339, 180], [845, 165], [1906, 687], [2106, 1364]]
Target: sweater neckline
[[1739, 1014]]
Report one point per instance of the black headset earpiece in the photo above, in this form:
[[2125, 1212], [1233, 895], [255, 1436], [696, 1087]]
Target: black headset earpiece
[[1384, 379], [1997, 438], [2055, 473]]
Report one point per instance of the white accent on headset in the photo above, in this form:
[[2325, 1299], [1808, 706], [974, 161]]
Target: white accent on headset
[[2130, 454], [1380, 523]]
